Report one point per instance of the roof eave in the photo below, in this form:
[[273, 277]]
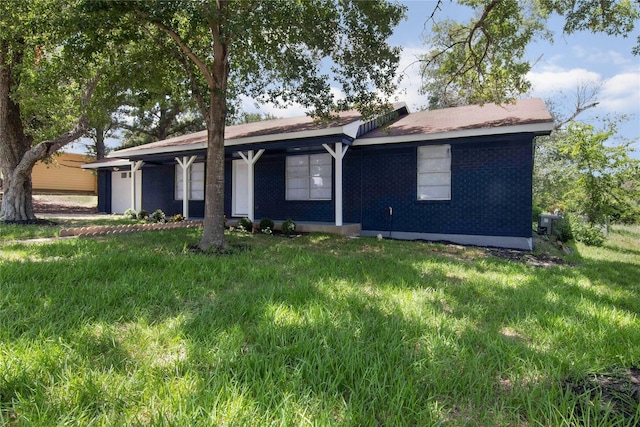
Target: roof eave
[[116, 162], [542, 128]]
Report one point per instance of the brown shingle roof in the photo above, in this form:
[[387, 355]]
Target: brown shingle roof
[[526, 111], [266, 127]]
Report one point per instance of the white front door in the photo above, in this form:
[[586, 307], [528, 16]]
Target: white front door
[[240, 187], [121, 191]]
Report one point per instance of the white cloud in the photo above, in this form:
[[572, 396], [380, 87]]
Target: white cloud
[[554, 79], [621, 93], [598, 57]]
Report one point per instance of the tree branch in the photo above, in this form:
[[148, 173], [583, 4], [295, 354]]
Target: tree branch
[[202, 66]]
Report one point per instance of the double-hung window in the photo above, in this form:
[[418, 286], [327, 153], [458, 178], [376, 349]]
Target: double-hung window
[[309, 177], [434, 172], [195, 182]]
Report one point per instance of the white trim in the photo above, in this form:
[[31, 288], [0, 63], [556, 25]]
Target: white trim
[[185, 164], [162, 150], [420, 137], [135, 166], [250, 159], [117, 163], [338, 154], [522, 243]]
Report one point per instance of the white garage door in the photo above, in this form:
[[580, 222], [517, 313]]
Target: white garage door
[[121, 191]]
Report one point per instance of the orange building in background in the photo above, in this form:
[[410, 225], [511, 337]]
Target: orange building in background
[[63, 175]]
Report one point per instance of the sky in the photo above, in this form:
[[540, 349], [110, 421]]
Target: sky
[[559, 69]]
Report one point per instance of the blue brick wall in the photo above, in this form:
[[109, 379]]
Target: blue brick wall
[[158, 183], [270, 190], [491, 189]]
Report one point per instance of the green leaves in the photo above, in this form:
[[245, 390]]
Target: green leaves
[[607, 178], [483, 60]]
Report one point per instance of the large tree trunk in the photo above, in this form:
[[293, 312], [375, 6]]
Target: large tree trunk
[[17, 203], [213, 230], [16, 150]]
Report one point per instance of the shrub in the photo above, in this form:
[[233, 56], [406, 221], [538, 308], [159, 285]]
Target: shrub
[[143, 214], [176, 218], [590, 235], [131, 213], [537, 210], [158, 216], [245, 224], [562, 229], [266, 224], [288, 227]]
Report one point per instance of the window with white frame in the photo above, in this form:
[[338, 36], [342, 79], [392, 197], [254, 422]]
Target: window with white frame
[[309, 177], [434, 172], [195, 183]]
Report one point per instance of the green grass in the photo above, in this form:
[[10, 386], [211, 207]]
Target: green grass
[[316, 330]]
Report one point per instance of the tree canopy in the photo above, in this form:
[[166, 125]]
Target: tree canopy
[[279, 51], [483, 60]]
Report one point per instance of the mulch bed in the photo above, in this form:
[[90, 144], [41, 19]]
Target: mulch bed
[[52, 207], [617, 392]]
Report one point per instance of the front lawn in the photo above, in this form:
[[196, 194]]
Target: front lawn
[[314, 330]]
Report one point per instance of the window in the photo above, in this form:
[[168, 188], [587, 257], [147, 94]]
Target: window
[[309, 177], [196, 182], [434, 172]]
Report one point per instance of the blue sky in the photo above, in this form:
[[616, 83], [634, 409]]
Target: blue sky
[[559, 69]]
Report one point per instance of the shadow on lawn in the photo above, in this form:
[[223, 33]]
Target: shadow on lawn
[[380, 333]]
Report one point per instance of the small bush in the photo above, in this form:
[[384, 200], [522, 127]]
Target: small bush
[[245, 224], [143, 214], [176, 218], [158, 216], [590, 235], [562, 229], [537, 210], [288, 227], [131, 213], [266, 224]]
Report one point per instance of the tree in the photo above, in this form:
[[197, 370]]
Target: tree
[[157, 105], [483, 60], [43, 100], [553, 172], [606, 175], [272, 50]]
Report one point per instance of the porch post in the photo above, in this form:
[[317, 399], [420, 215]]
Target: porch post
[[185, 163], [135, 166], [338, 154], [250, 159]]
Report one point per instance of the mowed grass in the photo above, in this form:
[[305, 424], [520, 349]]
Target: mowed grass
[[315, 330]]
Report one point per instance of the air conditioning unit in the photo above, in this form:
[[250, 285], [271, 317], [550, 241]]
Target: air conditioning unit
[[546, 223]]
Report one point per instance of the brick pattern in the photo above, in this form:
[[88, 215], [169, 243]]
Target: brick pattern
[[491, 189], [270, 190]]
